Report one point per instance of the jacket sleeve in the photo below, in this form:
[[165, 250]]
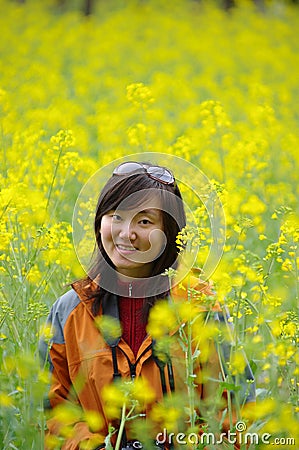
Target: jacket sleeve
[[64, 415]]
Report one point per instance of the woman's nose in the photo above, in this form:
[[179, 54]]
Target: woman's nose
[[127, 231]]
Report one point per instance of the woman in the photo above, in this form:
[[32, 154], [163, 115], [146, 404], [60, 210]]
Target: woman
[[138, 216]]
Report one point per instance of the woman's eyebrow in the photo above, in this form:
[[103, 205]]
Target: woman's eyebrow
[[153, 211]]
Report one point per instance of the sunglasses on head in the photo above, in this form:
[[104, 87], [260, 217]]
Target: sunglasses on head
[[157, 173]]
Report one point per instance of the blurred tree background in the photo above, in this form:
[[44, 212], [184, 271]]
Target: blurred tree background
[[89, 6]]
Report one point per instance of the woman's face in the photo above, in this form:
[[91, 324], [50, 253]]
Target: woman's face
[[134, 238]]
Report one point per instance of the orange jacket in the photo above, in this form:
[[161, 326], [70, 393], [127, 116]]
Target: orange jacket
[[81, 365]]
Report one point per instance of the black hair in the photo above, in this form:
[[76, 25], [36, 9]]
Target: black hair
[[118, 189]]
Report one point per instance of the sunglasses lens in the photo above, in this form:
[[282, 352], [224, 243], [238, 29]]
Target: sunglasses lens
[[155, 172], [160, 173], [127, 168]]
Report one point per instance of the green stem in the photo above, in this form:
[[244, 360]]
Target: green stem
[[53, 178], [121, 427], [267, 326], [190, 375], [237, 241], [190, 369], [59, 195], [296, 278]]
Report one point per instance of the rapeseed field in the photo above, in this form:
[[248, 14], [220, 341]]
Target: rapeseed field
[[184, 78]]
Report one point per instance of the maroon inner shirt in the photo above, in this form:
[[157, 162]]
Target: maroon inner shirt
[[132, 322]]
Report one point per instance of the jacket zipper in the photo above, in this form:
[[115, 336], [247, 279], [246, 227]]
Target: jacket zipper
[[130, 289], [133, 365]]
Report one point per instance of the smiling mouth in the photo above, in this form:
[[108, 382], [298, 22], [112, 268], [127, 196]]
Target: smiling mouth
[[126, 248]]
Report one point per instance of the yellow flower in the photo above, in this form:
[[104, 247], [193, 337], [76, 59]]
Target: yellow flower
[[94, 420], [262, 237], [109, 327], [5, 400], [142, 391], [114, 398], [260, 409], [165, 415], [52, 442], [137, 134], [139, 94], [188, 311], [237, 362], [67, 414], [162, 320], [290, 329], [287, 265]]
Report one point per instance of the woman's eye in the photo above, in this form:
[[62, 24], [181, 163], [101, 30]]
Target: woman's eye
[[116, 217], [145, 221]]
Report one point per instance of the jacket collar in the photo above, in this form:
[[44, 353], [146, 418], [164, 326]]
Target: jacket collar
[[86, 289]]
